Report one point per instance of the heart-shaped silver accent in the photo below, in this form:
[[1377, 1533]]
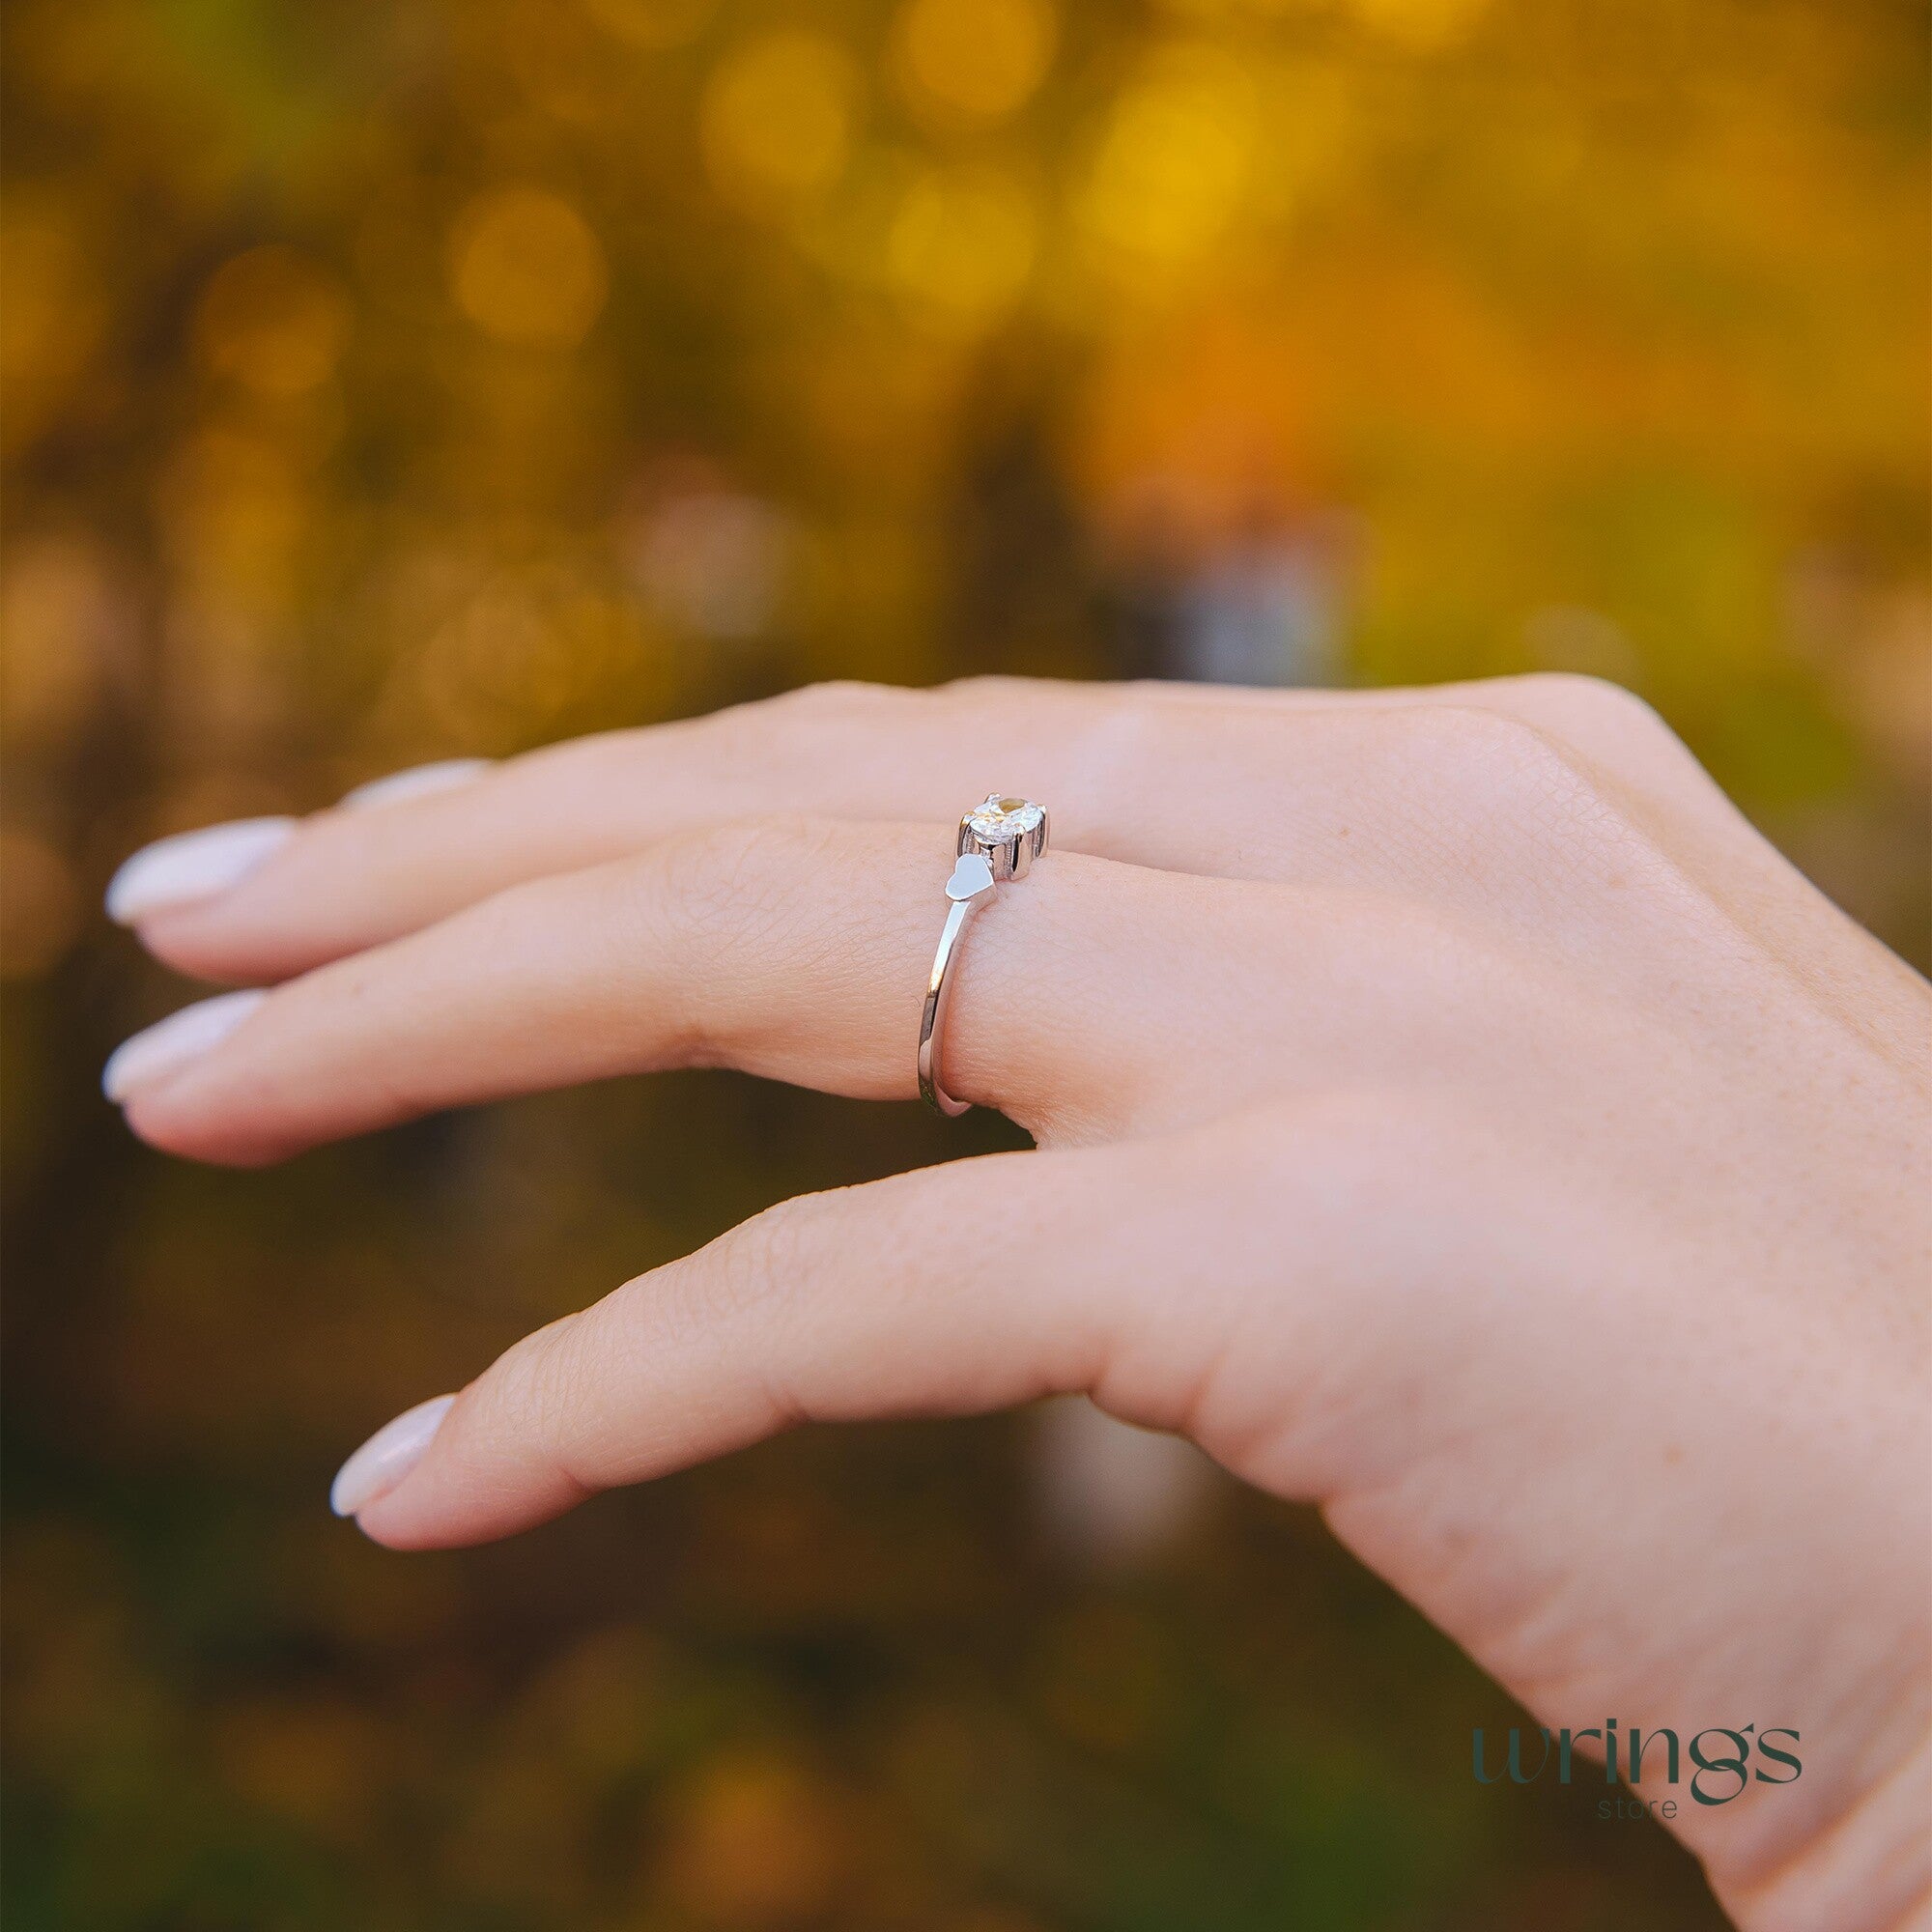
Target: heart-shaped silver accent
[[971, 877]]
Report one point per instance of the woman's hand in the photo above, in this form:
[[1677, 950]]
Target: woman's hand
[[1448, 1108]]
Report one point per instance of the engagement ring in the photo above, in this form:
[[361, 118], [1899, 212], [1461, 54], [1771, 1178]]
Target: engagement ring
[[999, 838]]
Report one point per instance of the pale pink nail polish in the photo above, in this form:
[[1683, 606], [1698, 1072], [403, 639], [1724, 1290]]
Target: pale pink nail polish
[[169, 1044], [194, 866], [387, 1457], [419, 782]]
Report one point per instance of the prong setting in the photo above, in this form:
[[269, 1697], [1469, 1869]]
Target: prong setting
[[1009, 831]]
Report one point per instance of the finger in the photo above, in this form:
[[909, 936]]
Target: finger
[[1314, 788], [950, 1291], [1085, 995]]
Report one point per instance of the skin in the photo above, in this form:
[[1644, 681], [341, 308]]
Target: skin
[[1449, 1110]]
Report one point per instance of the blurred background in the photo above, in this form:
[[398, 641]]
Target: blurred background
[[395, 381]]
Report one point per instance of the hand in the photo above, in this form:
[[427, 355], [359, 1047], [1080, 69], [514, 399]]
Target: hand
[[1448, 1109]]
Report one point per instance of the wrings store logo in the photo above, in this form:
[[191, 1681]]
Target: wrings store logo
[[1635, 1755]]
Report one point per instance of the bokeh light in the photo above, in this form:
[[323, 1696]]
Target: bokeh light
[[778, 118], [963, 243], [272, 318], [977, 60], [526, 268]]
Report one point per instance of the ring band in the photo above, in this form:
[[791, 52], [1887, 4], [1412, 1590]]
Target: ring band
[[999, 838]]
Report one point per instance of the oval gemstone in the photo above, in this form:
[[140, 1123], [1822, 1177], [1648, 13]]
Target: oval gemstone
[[1001, 818]]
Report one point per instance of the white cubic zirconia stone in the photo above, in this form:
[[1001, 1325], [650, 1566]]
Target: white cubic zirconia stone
[[1001, 818]]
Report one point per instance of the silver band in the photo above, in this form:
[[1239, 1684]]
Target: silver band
[[999, 838]]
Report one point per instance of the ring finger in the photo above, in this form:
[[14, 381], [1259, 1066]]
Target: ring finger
[[1090, 997]]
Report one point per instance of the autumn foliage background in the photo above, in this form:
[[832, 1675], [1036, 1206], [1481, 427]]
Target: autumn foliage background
[[385, 382]]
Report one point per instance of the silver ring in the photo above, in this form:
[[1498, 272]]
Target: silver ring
[[999, 838]]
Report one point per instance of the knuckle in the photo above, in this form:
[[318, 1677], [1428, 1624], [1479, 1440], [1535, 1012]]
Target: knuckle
[[1100, 742], [796, 721], [755, 1271], [538, 1387], [713, 911], [1065, 708], [727, 882], [815, 728], [745, 1292], [1124, 736], [689, 903], [761, 1261], [834, 701], [1512, 774], [1596, 710], [832, 694], [985, 688], [1483, 741]]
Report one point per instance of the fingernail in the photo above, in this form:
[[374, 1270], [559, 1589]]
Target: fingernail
[[387, 1457], [193, 865], [172, 1043], [419, 782]]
